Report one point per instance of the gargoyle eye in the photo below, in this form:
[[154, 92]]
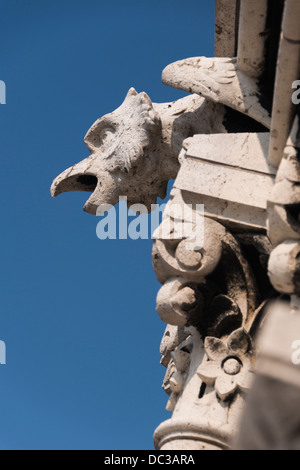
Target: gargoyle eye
[[101, 137], [106, 133]]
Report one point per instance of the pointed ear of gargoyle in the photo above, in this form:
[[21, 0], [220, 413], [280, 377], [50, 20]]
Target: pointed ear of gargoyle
[[126, 133], [120, 163], [131, 92]]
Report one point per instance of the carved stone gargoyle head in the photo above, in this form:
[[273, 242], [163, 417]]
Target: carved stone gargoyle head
[[134, 149], [123, 160]]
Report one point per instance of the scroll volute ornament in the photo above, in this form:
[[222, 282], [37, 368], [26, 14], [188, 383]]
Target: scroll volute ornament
[[210, 288]]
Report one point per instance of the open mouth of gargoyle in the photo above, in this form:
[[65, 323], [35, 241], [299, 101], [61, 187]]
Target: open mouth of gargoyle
[[67, 182], [89, 182]]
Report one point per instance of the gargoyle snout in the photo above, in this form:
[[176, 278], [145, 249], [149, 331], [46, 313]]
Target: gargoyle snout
[[75, 178], [87, 176]]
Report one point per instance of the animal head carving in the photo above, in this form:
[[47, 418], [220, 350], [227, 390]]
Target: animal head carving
[[124, 158]]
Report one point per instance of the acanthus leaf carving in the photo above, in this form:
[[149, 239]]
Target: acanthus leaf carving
[[176, 347], [209, 291]]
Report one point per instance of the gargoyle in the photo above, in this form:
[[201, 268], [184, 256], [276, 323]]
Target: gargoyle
[[134, 150]]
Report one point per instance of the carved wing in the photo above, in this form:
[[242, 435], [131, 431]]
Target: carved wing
[[218, 80]]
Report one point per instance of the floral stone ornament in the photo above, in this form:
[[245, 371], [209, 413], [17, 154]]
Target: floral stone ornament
[[229, 364]]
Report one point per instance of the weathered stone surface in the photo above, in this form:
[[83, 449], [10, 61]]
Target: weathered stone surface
[[226, 31], [252, 37], [176, 347], [200, 420], [231, 176], [284, 267]]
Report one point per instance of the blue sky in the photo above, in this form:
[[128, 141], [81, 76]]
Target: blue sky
[[78, 314]]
